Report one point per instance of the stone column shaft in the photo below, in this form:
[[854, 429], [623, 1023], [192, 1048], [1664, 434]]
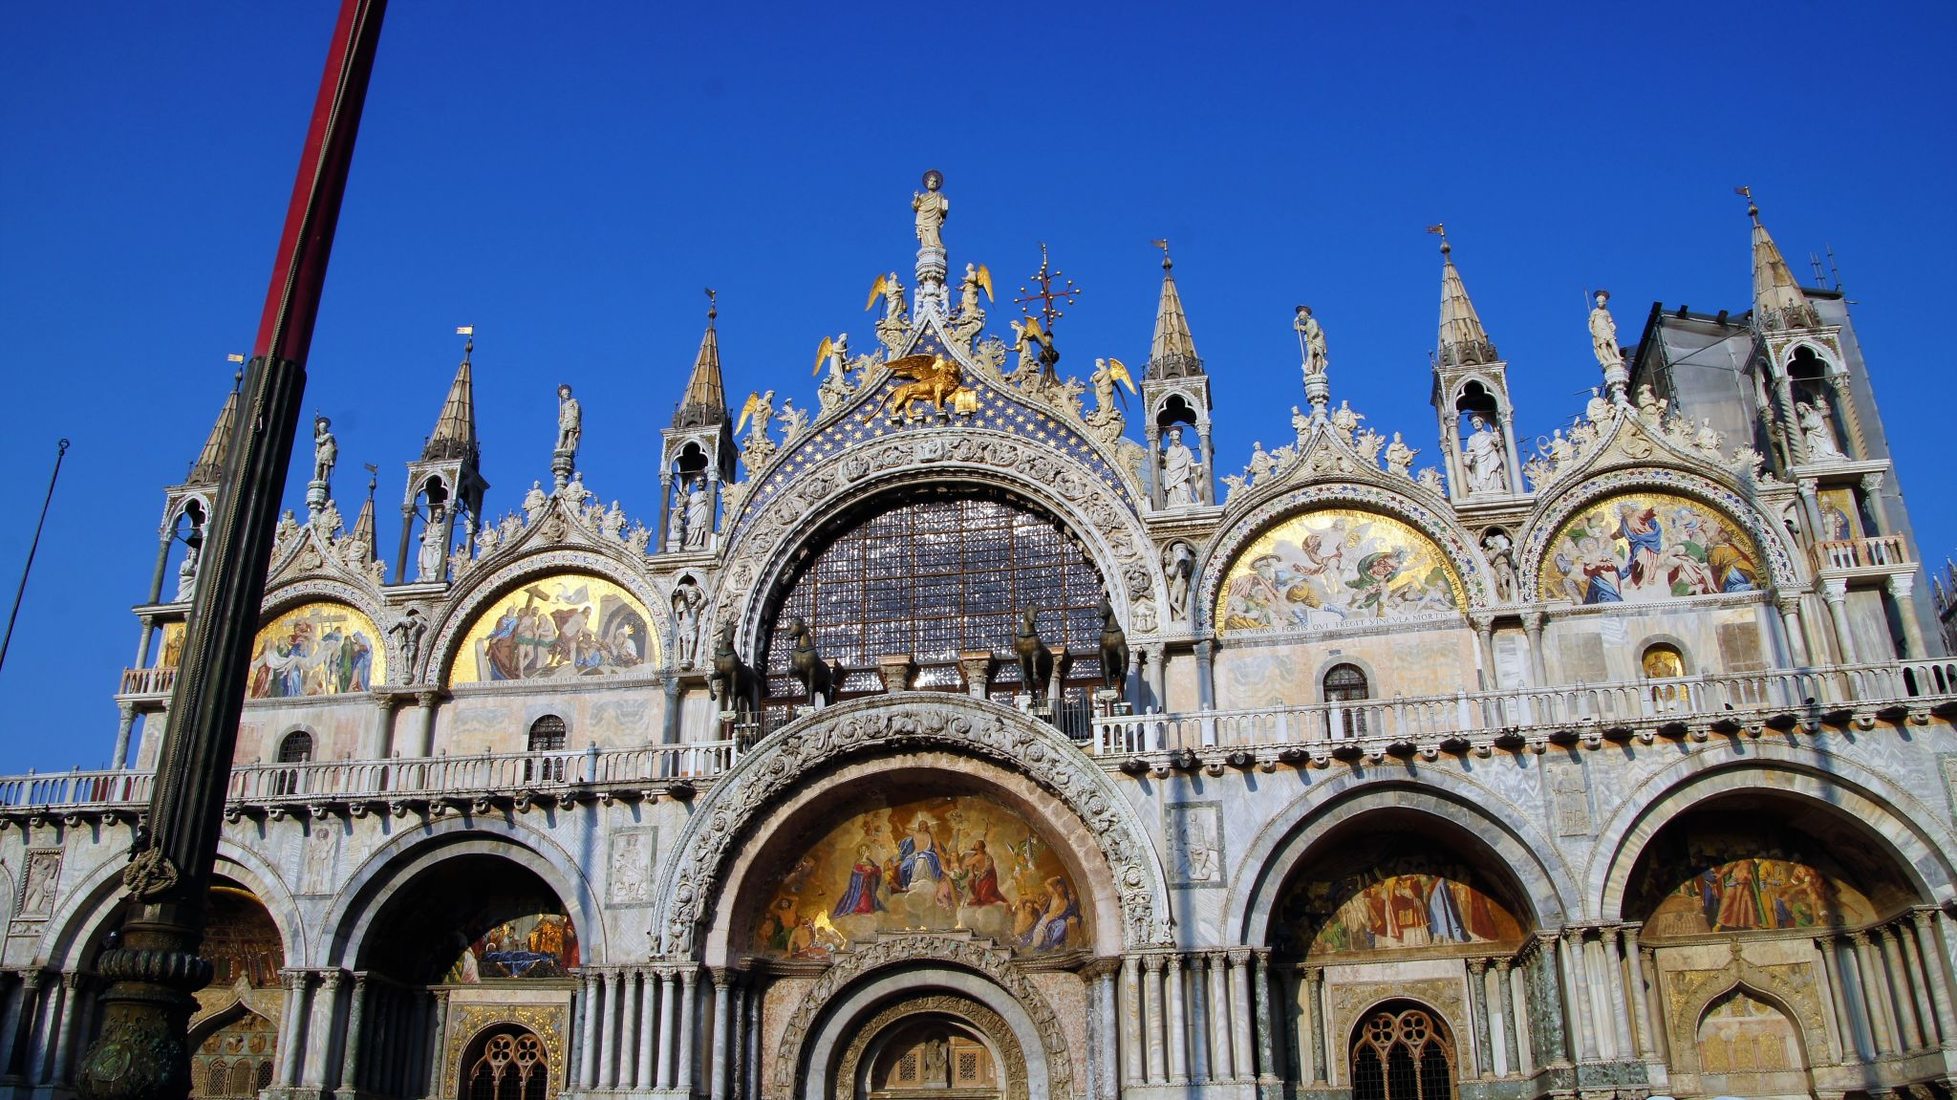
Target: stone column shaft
[[1929, 933], [290, 1033], [619, 1063], [1576, 1020], [1132, 1067], [723, 1047], [1178, 1029], [668, 1026], [1240, 1021], [73, 1007], [1900, 586], [423, 742], [1868, 969], [1790, 625], [1836, 595], [688, 1034], [1478, 1007], [1152, 1042], [1901, 1003], [1505, 989], [438, 1045], [1620, 1004], [1539, 668], [1917, 977], [1223, 1066], [1838, 1000], [592, 988], [356, 1019], [1109, 1085], [1315, 994], [648, 1030], [1640, 996], [1262, 1019]]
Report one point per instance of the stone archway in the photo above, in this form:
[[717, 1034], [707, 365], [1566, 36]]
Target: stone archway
[[694, 882], [891, 1055]]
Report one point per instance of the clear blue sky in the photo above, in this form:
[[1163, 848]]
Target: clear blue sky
[[569, 178]]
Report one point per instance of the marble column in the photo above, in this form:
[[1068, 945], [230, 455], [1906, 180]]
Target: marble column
[[668, 1025], [1851, 1034], [1478, 1007], [48, 1029], [125, 723], [1152, 1019], [321, 1015], [423, 741], [1315, 998], [1872, 496], [1262, 1019], [1568, 960], [1929, 934], [1105, 1014], [1835, 592], [1532, 623], [1485, 646], [376, 745], [1641, 999], [1620, 1004], [437, 1042], [723, 1026], [290, 1031], [1178, 1021], [648, 1029], [1223, 1065], [1917, 977], [1206, 675], [356, 1020], [74, 1008], [10, 1022], [592, 993], [1869, 969], [1900, 586], [619, 1062], [1132, 1069], [1900, 1003], [1790, 626], [1240, 1021], [1511, 1022], [688, 1034]]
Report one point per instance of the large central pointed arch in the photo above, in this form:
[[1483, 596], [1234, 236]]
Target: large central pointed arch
[[960, 725]]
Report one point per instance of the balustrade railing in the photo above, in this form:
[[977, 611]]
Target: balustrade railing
[[148, 681], [1875, 552]]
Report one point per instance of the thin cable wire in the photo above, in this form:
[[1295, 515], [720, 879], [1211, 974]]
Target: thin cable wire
[[61, 451]]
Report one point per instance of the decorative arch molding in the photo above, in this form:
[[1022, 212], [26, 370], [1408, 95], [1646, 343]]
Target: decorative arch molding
[[861, 980], [296, 594], [1009, 1052], [960, 724], [1917, 844], [474, 596], [1239, 531], [761, 548], [1290, 838], [350, 913], [85, 910], [1826, 346], [1550, 516], [1781, 987], [177, 505]]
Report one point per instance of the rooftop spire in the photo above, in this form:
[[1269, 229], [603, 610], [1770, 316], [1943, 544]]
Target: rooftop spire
[[455, 430], [363, 525], [1463, 341], [1172, 354], [209, 467], [1777, 298], [705, 402]]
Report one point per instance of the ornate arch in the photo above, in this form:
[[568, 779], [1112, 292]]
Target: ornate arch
[[1290, 838], [1011, 1053], [1781, 988], [1079, 498], [1917, 844], [828, 1001], [1453, 541], [350, 914], [481, 589], [88, 906], [1550, 516], [695, 877]]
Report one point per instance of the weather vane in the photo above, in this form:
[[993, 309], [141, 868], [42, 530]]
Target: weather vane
[[1046, 295]]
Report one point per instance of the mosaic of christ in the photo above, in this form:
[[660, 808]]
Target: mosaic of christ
[[315, 649], [1334, 566], [954, 863], [1647, 547], [1716, 880], [571, 624], [1401, 899]]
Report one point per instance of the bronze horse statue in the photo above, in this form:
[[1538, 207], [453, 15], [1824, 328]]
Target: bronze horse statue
[[816, 675], [1035, 659], [733, 683], [1114, 650]]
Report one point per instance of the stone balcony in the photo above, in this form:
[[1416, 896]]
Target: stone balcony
[[1878, 555], [1690, 708], [147, 684]]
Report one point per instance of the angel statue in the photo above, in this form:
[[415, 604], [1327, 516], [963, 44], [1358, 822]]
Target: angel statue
[[931, 207], [892, 292], [977, 277], [1106, 373]]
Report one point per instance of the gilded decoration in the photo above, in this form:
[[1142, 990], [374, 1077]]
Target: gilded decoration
[[557, 626], [1395, 898], [1714, 880], [1012, 1057], [1647, 547], [319, 648], [515, 945], [950, 864], [547, 1022], [1334, 566]]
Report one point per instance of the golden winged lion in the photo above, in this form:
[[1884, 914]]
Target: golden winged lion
[[933, 378]]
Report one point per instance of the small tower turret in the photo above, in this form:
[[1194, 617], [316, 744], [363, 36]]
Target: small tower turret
[[446, 482], [697, 451], [1176, 391], [1471, 397], [1813, 418]]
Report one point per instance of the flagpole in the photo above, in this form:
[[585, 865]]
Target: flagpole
[[153, 968]]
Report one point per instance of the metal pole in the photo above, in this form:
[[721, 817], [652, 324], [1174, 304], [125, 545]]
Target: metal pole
[[141, 1052], [60, 451]]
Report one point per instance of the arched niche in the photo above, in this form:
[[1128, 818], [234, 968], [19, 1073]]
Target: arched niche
[[946, 854], [1747, 1044], [561, 625], [1649, 547], [1333, 566], [1389, 885], [472, 919], [322, 647]]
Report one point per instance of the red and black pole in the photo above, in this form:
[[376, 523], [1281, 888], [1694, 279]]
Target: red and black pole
[[153, 968]]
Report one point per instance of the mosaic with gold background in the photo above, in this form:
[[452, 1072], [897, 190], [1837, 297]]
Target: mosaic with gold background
[[560, 626], [1399, 895], [1648, 547], [952, 863], [1334, 566], [321, 648]]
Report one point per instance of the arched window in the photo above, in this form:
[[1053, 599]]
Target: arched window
[[1402, 1055], [297, 748], [506, 1063], [547, 735], [1346, 684], [1663, 661]]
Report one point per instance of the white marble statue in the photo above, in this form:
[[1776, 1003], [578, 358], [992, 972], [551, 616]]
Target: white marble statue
[[1816, 431], [1603, 334], [1399, 457], [1179, 471], [326, 449], [1300, 423], [1501, 561], [1597, 409], [1179, 563], [1345, 419], [428, 561], [1262, 465], [534, 501], [687, 601], [932, 207], [699, 513], [187, 573], [1486, 465], [570, 421], [1311, 341]]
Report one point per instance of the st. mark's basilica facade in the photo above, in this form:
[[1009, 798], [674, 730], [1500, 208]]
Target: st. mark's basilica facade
[[964, 730]]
